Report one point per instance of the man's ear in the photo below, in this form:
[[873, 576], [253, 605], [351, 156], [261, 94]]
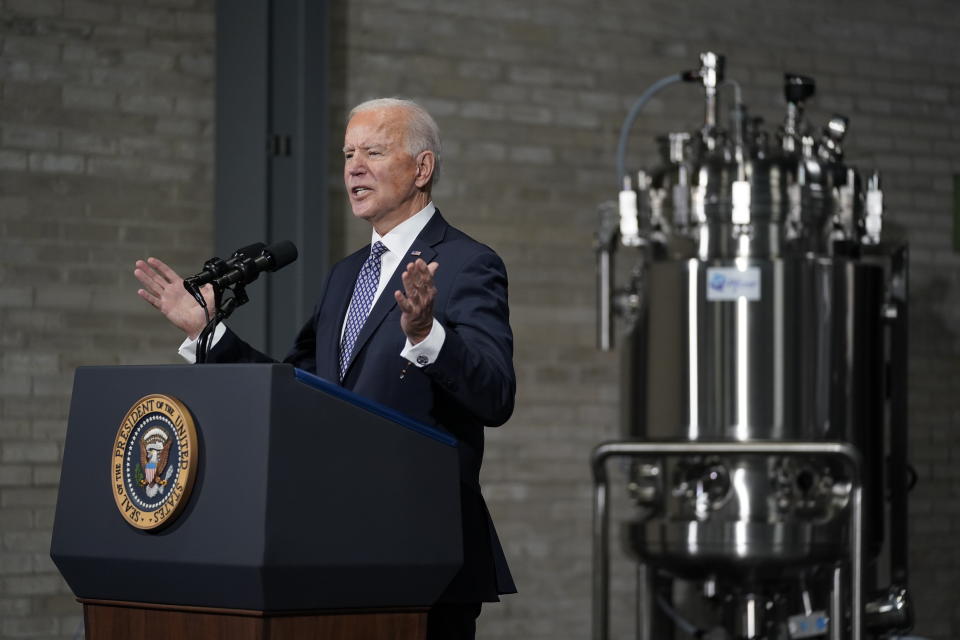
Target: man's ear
[[426, 162]]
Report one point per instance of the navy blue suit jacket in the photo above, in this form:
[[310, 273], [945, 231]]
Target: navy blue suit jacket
[[471, 385]]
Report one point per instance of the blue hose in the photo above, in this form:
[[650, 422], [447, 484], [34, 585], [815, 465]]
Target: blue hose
[[631, 118]]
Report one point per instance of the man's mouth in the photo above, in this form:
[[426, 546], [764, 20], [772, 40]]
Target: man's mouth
[[357, 191]]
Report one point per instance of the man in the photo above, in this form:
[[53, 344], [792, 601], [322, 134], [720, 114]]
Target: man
[[395, 326]]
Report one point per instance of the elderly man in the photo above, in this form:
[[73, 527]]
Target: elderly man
[[418, 320]]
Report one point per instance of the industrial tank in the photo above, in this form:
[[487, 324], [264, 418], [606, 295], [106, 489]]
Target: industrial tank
[[763, 307]]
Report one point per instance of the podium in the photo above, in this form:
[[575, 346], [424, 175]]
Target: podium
[[313, 514]]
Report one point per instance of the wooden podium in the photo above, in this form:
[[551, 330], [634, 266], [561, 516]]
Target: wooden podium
[[314, 513], [105, 619]]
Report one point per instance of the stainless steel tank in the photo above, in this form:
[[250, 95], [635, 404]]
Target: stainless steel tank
[[799, 357], [763, 307]]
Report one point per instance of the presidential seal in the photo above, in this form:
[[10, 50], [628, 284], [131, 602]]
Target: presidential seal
[[154, 461]]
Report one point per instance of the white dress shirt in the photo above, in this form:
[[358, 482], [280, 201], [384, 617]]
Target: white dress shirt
[[398, 241]]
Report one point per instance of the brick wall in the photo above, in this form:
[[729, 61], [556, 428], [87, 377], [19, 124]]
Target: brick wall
[[104, 156]]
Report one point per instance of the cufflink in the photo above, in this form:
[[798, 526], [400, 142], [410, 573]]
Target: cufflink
[[423, 360]]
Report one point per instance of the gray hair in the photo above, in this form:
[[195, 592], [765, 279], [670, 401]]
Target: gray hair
[[422, 133]]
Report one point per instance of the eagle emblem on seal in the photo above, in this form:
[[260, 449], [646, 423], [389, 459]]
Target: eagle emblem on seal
[[154, 455]]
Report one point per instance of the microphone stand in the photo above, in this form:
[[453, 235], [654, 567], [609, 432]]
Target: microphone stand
[[222, 308], [232, 276]]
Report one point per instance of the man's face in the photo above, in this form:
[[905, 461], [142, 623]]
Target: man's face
[[380, 176]]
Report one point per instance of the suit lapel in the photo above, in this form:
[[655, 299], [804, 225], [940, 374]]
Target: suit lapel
[[422, 247]]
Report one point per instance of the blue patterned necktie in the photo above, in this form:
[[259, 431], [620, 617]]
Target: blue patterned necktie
[[360, 303]]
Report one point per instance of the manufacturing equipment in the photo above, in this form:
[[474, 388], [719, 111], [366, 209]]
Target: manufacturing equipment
[[763, 374]]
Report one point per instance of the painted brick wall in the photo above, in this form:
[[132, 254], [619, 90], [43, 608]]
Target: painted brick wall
[[105, 156]]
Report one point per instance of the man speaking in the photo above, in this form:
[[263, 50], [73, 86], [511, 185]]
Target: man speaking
[[418, 321]]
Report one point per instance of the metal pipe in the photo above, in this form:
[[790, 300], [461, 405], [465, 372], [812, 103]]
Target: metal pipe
[[711, 73], [645, 595], [856, 579], [751, 617], [601, 516], [601, 569], [604, 299], [898, 482], [836, 605], [631, 448], [605, 243]]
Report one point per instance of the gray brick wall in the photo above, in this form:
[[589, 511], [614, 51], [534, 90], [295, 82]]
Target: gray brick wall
[[105, 141], [105, 156]]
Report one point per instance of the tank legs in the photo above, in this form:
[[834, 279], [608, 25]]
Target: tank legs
[[645, 602], [836, 605]]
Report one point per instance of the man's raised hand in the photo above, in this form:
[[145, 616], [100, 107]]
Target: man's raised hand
[[416, 299], [163, 288]]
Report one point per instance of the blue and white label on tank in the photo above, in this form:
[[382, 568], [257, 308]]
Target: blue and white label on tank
[[732, 283]]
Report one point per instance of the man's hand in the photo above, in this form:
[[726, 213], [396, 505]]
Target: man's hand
[[163, 288], [416, 300]]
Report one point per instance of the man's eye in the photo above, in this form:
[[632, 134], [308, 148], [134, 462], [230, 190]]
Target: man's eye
[[348, 155], [374, 153]]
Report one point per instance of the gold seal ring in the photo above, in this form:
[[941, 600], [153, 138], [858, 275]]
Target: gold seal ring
[[154, 461]]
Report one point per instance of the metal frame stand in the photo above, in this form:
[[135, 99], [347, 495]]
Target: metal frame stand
[[645, 601], [631, 449]]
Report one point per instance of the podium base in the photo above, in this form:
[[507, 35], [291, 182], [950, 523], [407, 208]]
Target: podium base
[[112, 620]]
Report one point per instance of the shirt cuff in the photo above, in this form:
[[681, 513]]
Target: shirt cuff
[[188, 350], [426, 351]]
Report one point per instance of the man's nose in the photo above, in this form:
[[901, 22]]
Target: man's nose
[[356, 166]]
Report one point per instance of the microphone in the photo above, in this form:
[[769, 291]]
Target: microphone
[[244, 266], [215, 267], [247, 269]]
